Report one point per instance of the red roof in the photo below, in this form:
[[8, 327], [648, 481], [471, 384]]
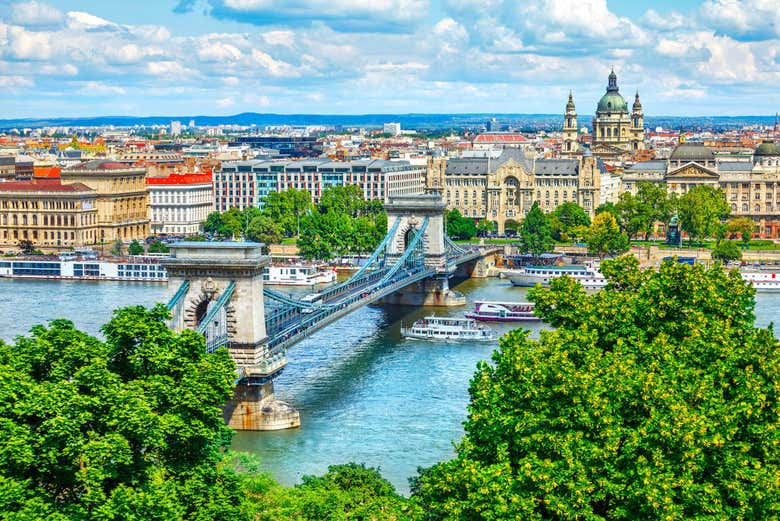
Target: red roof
[[500, 138], [47, 172], [179, 179], [42, 185]]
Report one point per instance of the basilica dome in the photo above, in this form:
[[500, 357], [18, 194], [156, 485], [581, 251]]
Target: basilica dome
[[612, 102]]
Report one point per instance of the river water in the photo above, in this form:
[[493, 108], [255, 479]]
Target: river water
[[365, 394]]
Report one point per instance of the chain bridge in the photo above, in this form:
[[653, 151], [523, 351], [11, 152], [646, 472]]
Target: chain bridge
[[217, 289]]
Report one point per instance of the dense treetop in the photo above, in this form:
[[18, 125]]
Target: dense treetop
[[655, 398]]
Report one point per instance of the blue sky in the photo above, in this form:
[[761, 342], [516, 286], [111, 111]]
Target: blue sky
[[210, 57]]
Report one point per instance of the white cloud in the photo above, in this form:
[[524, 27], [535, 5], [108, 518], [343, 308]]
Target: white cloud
[[80, 20], [29, 45], [215, 51], [225, 102], [98, 88], [273, 67], [283, 38], [34, 14], [11, 82], [167, 68], [748, 19]]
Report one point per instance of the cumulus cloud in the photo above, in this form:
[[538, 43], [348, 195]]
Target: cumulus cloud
[[11, 82], [343, 15], [743, 19], [35, 14]]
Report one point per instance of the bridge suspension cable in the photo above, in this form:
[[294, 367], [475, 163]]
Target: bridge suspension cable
[[377, 252], [410, 249], [178, 295]]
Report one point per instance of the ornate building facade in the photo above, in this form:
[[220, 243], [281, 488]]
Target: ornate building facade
[[570, 131], [48, 213], [501, 186], [616, 132], [752, 187], [122, 198]]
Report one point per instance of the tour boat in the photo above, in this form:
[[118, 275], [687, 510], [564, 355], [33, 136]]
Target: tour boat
[[762, 280], [490, 311], [138, 269], [297, 275], [586, 274], [448, 328]]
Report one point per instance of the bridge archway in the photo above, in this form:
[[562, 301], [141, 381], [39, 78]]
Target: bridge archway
[[411, 211]]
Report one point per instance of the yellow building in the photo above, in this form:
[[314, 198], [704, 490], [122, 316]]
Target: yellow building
[[48, 213], [122, 198], [502, 185]]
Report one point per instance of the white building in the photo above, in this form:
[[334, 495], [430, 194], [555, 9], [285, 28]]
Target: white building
[[180, 202], [394, 129], [175, 128], [610, 187]]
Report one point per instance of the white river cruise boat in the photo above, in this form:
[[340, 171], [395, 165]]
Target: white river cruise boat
[[297, 275], [448, 328], [489, 311], [762, 280], [586, 274], [132, 270]]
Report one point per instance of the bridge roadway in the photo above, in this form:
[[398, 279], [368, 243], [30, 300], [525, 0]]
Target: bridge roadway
[[338, 301]]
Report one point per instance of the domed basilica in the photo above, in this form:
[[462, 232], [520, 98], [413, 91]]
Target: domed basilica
[[615, 131]]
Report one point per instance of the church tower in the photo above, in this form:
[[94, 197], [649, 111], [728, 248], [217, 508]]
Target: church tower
[[637, 130], [570, 133]]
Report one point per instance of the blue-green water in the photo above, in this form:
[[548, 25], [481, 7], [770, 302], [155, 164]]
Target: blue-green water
[[364, 393]]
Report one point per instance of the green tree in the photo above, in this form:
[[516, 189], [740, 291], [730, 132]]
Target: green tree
[[701, 211], [570, 215], [536, 232], [26, 246], [604, 236], [214, 224], [459, 227], [655, 203], [632, 216], [288, 208], [126, 428], [117, 247], [655, 398], [607, 207], [744, 226], [345, 492], [158, 247], [135, 248], [726, 251], [233, 222], [264, 229], [314, 243]]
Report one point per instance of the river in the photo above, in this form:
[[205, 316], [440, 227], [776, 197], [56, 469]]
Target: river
[[365, 394]]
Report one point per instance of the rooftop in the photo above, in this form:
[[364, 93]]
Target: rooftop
[[43, 185]]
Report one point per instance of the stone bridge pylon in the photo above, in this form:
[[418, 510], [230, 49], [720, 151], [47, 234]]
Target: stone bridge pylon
[[217, 289]]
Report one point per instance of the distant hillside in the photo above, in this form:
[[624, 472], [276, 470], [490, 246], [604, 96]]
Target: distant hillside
[[529, 122]]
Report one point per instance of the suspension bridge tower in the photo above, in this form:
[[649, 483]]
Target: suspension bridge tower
[[217, 289]]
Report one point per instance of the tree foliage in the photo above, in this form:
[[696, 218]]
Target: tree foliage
[[264, 229], [604, 236], [726, 251], [117, 248], [345, 492], [536, 232], [701, 211], [744, 226], [459, 227], [655, 398], [135, 248], [129, 428], [567, 217], [342, 224], [158, 247], [287, 208]]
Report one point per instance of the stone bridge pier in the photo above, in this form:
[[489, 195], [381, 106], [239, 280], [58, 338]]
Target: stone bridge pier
[[412, 211], [230, 275]]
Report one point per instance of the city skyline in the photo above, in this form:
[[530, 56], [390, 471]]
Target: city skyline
[[221, 57]]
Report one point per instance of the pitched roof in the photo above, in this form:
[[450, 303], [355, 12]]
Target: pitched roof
[[43, 185], [557, 167]]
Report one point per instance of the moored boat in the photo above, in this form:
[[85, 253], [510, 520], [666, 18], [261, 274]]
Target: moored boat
[[490, 311], [586, 274], [298, 275], [762, 280], [448, 328]]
